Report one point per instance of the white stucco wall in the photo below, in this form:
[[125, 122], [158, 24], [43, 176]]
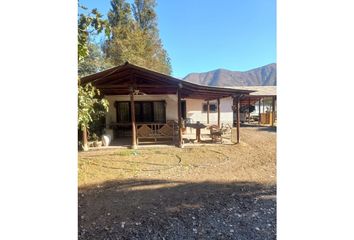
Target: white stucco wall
[[171, 105], [195, 107]]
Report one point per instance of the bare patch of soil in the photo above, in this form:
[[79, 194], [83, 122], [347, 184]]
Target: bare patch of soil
[[210, 192]]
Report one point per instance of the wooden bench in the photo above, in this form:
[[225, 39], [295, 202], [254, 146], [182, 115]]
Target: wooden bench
[[155, 132]]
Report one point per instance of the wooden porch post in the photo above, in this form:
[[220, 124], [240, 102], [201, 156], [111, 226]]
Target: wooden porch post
[[218, 112], [179, 107], [259, 111], [208, 111], [132, 114], [273, 110], [249, 113], [238, 119]]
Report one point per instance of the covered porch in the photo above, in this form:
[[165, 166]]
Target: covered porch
[[148, 107], [263, 101]]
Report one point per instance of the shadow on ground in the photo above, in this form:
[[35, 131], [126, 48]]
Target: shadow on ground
[[260, 128], [159, 209]]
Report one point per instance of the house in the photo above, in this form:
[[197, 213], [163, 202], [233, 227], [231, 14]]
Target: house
[[150, 106]]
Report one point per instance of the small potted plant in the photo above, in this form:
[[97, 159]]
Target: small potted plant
[[95, 140]]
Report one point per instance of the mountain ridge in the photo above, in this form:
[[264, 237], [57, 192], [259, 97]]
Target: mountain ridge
[[260, 76]]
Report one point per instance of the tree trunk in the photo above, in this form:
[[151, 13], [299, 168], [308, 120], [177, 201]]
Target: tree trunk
[[84, 139]]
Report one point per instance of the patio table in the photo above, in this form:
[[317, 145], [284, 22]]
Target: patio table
[[196, 126]]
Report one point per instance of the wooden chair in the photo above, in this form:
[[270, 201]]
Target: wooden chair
[[215, 134]]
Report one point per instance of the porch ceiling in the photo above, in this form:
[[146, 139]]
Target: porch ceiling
[[252, 99], [121, 79]]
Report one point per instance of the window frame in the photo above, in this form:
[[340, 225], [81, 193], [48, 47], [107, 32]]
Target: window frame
[[140, 113], [206, 107]]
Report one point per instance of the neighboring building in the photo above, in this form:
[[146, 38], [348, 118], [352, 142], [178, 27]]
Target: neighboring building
[[261, 99]]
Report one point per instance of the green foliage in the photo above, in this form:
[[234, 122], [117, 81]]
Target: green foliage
[[94, 62], [120, 13], [88, 24], [132, 36], [144, 14], [94, 137], [90, 106], [136, 40]]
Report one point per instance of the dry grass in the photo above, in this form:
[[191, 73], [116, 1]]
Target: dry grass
[[211, 192], [252, 160]]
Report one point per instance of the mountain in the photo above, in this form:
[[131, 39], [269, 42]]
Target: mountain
[[262, 76]]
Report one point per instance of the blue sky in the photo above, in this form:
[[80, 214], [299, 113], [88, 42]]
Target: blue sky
[[201, 36]]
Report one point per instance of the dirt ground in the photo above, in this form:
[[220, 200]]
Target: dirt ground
[[209, 192]]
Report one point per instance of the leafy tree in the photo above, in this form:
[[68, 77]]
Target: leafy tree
[[136, 40], [144, 14], [90, 106], [88, 96], [88, 24], [94, 62], [120, 14]]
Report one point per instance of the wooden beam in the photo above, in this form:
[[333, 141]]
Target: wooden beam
[[204, 97], [249, 113], [132, 114], [218, 112], [179, 109], [126, 92], [238, 119], [259, 111], [273, 110], [152, 78], [123, 75], [125, 86], [208, 111]]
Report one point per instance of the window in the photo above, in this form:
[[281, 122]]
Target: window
[[123, 112], [159, 112], [212, 106], [145, 112]]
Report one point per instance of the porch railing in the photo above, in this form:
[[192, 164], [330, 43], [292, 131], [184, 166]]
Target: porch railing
[[154, 132]]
